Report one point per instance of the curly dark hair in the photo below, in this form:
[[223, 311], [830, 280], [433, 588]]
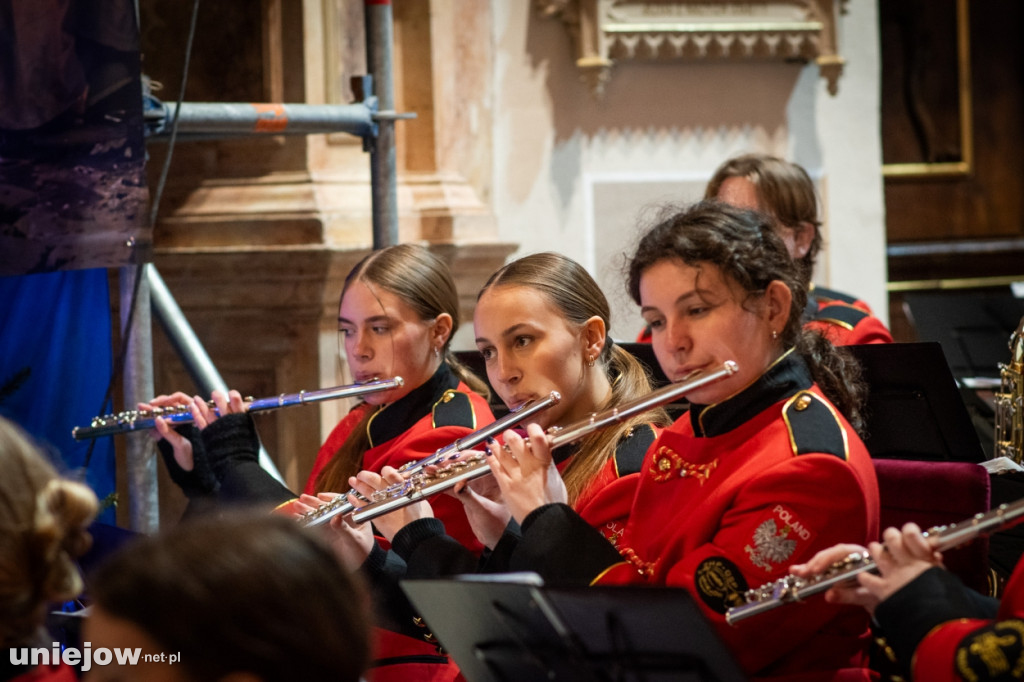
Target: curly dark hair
[[743, 245]]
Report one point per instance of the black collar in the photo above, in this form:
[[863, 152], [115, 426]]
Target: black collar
[[406, 411], [788, 375]]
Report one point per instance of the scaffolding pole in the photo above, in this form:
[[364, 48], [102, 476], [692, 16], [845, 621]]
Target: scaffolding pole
[[140, 462], [372, 118], [189, 348], [379, 50]]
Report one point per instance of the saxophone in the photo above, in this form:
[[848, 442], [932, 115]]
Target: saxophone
[[1009, 401]]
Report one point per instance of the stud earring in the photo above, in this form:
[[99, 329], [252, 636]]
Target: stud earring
[[775, 335]]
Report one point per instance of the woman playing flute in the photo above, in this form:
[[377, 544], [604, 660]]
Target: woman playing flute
[[398, 311], [765, 469]]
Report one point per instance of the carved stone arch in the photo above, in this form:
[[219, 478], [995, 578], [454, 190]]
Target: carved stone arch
[[608, 31]]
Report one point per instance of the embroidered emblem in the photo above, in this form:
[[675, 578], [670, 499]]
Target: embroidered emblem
[[771, 545], [666, 463], [699, 471], [720, 584], [993, 653]]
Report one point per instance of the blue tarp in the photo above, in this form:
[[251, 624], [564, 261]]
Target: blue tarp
[[55, 365]]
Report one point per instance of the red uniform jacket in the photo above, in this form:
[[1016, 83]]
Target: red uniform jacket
[[607, 499], [427, 419], [843, 319], [413, 436], [978, 649], [730, 497], [45, 673], [428, 552]]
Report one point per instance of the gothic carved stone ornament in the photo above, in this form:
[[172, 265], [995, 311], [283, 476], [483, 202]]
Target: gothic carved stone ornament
[[606, 31]]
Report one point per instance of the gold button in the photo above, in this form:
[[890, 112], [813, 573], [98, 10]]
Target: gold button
[[803, 402]]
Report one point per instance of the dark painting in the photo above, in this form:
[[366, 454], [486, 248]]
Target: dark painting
[[72, 156]]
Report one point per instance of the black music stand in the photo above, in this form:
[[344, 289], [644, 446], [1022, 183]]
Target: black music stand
[[521, 631], [915, 409], [973, 327]]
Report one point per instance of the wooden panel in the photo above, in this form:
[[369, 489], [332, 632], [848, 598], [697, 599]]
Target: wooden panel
[[989, 203]]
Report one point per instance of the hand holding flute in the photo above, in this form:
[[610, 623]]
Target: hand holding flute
[[903, 555], [203, 414], [526, 472]]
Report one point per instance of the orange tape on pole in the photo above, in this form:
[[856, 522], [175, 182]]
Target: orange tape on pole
[[270, 118]]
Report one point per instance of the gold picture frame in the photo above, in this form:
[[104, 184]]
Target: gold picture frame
[[965, 165]]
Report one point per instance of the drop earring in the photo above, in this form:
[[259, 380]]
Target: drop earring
[[590, 361], [775, 335]]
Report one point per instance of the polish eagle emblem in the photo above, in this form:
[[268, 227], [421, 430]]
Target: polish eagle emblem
[[771, 545]]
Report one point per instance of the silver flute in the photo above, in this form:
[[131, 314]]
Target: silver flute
[[341, 505], [426, 484], [137, 420], [791, 588]]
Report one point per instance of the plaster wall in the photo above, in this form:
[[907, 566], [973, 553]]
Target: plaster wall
[[577, 174]]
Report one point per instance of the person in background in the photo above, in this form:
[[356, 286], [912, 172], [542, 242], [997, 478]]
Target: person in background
[[43, 529], [765, 468], [241, 598], [784, 192]]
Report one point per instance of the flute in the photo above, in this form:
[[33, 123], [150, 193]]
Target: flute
[[137, 420], [425, 484], [791, 588], [341, 505]]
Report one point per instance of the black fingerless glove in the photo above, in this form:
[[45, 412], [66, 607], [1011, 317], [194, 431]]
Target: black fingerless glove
[[233, 449], [198, 483], [229, 441]]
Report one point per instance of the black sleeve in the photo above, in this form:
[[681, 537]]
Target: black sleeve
[[233, 447], [430, 553], [499, 559], [392, 610], [934, 597], [563, 548]]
